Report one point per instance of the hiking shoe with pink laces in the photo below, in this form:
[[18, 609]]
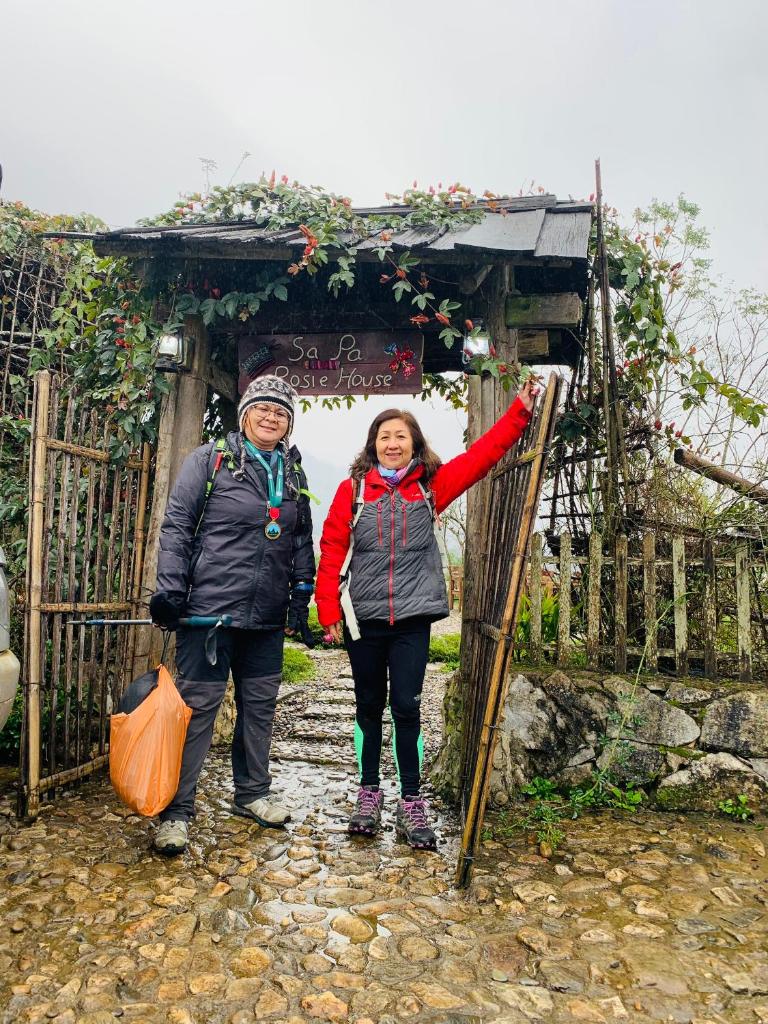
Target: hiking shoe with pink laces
[[366, 817], [411, 824]]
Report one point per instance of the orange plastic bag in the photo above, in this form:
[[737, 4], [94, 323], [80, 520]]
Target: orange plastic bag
[[145, 748]]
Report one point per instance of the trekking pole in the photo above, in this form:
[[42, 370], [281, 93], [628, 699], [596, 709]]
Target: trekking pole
[[193, 621], [190, 620]]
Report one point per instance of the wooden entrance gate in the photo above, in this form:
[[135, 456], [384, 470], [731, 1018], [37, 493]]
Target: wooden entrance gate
[[84, 557], [508, 517]]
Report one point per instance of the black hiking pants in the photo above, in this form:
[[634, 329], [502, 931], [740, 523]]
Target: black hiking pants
[[394, 658], [255, 658]]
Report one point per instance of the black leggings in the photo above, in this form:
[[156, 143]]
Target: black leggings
[[403, 650]]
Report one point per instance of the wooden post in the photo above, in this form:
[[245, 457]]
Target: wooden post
[[649, 600], [710, 610], [593, 600], [743, 624], [534, 592], [620, 574], [42, 396], [564, 602], [487, 400], [681, 610], [138, 558], [192, 395], [721, 476], [179, 433]]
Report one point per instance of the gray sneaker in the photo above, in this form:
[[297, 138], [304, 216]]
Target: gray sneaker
[[266, 811], [171, 838]]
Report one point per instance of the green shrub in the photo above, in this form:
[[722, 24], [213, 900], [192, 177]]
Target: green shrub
[[297, 666], [10, 734], [446, 649]]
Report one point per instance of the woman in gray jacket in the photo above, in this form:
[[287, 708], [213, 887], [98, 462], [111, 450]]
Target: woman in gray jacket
[[236, 540]]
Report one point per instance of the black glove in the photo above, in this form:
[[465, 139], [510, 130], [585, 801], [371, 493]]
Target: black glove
[[166, 608], [298, 616]]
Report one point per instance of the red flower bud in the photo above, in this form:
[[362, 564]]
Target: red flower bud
[[401, 273], [657, 424], [469, 325], [442, 318]]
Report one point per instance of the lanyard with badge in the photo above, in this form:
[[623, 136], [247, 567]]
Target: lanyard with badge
[[272, 528]]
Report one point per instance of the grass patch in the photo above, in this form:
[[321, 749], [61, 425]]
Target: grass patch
[[445, 649], [297, 666]]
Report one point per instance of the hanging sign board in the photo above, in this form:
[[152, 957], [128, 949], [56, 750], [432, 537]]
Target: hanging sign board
[[368, 363]]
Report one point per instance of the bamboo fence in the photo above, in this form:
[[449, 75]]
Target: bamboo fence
[[655, 601], [85, 550], [512, 502]]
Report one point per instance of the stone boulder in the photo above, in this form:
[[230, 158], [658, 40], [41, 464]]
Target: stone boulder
[[547, 721], [649, 718], [738, 723], [705, 782], [633, 763]]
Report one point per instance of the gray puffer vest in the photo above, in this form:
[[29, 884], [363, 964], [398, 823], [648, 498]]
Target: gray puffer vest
[[396, 570]]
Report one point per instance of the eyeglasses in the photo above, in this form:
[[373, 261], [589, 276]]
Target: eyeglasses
[[264, 411]]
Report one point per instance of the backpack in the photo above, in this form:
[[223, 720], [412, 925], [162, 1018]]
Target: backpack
[[221, 452], [345, 576]]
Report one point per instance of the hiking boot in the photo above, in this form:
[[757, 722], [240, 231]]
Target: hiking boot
[[171, 838], [411, 823], [266, 811], [366, 817]]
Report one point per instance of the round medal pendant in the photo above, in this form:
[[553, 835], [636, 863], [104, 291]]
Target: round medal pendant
[[272, 530]]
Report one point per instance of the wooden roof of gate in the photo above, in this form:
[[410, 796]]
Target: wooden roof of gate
[[541, 229]]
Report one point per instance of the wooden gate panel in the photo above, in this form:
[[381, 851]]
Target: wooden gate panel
[[85, 549]]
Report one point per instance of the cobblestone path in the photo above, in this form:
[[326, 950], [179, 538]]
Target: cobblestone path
[[641, 919]]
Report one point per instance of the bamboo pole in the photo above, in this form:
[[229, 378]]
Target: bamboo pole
[[499, 681], [34, 588], [138, 549], [614, 421], [620, 602], [593, 600]]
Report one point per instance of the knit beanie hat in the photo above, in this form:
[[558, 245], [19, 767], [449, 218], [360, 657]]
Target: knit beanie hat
[[268, 390]]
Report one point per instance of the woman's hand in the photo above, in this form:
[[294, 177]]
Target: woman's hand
[[528, 392], [336, 631]]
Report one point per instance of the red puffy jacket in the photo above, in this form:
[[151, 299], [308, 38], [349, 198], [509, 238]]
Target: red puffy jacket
[[451, 480]]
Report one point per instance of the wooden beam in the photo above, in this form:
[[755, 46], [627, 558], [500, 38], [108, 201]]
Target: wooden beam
[[232, 250], [469, 283], [533, 344], [560, 309], [223, 383], [721, 476]]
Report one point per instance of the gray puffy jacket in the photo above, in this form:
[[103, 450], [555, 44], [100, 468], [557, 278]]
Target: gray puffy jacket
[[396, 571], [231, 567]]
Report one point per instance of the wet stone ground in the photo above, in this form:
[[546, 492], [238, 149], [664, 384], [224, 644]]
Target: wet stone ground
[[651, 918]]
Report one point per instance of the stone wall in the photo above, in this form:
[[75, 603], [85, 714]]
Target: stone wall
[[690, 743]]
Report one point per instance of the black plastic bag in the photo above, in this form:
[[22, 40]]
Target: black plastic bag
[[137, 692]]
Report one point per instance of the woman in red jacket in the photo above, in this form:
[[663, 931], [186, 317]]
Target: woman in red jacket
[[380, 584]]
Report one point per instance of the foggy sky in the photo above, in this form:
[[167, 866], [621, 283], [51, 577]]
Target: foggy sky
[[107, 108]]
